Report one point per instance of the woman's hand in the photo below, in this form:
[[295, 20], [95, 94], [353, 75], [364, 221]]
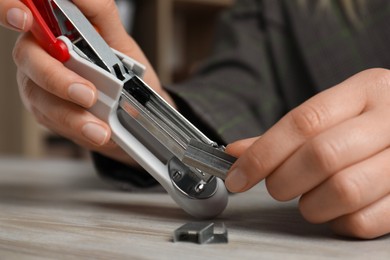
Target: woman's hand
[[57, 96], [333, 151]]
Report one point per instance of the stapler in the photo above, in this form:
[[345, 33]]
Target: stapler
[[189, 165]]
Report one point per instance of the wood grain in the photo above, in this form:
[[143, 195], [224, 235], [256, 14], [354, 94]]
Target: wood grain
[[61, 209]]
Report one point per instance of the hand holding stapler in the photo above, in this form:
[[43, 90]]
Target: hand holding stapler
[[181, 158]]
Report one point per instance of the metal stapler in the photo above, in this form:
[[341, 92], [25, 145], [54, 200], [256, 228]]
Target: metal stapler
[[189, 165]]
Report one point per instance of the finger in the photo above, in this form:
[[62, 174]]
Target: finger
[[368, 223], [331, 151], [22, 81], [66, 118], [348, 191], [237, 148], [277, 144], [110, 149], [51, 74], [15, 15]]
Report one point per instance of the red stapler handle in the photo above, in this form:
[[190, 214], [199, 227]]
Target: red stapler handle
[[43, 32]]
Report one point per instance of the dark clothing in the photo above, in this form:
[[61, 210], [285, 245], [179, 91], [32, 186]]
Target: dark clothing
[[270, 56]]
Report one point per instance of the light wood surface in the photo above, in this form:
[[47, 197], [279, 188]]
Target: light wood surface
[[60, 209]]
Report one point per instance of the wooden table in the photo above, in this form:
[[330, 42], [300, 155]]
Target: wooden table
[[61, 209]]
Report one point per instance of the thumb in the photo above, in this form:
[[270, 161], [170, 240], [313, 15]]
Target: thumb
[[239, 147], [15, 15]]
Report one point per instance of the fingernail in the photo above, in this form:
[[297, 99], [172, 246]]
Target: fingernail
[[81, 94], [17, 18], [95, 133], [236, 181]]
